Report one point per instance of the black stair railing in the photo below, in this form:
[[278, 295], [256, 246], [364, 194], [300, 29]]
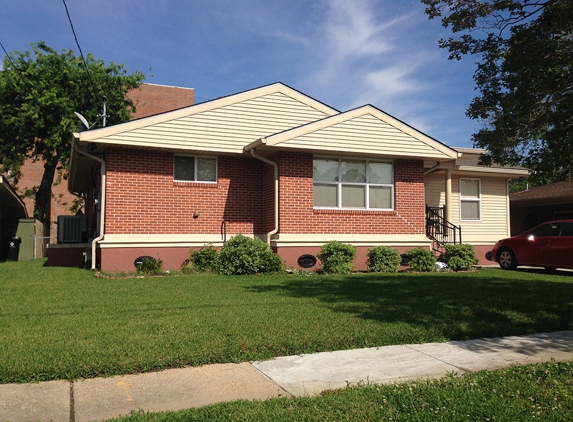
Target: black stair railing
[[439, 229]]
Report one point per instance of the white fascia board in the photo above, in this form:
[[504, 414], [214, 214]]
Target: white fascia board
[[355, 239], [491, 171]]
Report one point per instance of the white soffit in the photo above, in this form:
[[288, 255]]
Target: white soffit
[[365, 130], [225, 125]]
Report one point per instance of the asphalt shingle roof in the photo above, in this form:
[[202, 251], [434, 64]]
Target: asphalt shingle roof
[[558, 190]]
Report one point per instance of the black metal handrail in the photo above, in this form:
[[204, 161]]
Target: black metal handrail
[[439, 229]]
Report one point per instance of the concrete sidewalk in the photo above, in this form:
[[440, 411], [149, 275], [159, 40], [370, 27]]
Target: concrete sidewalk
[[175, 389]]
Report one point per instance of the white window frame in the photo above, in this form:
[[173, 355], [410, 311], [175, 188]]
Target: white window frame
[[470, 199], [339, 184], [195, 157]]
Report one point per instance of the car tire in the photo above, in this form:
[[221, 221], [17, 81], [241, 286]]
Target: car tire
[[506, 259]]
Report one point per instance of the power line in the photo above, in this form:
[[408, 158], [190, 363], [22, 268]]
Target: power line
[[7, 55], [80, 49]]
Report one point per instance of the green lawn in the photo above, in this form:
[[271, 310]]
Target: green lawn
[[62, 323], [542, 392]]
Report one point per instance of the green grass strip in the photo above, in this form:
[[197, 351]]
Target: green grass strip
[[64, 323]]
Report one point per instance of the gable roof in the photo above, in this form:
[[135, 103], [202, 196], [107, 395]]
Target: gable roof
[[363, 131], [553, 193], [223, 125]]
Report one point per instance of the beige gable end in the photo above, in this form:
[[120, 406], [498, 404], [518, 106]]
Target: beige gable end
[[222, 126], [226, 129], [366, 131]]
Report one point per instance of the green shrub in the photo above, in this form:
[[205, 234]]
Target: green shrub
[[244, 255], [206, 259], [150, 266], [422, 260], [188, 267], [337, 257], [460, 256], [383, 259]]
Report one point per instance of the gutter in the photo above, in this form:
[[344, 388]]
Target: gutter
[[276, 168], [102, 204]]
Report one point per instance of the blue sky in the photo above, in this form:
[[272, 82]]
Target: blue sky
[[345, 53]]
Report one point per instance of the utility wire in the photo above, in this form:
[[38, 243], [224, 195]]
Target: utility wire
[[7, 55], [80, 49]]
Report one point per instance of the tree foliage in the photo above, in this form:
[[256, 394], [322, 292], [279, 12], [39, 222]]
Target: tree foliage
[[39, 92], [524, 78]]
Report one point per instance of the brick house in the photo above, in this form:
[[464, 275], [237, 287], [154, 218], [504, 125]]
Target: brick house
[[274, 163]]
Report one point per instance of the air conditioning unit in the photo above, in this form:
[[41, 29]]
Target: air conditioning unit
[[71, 228]]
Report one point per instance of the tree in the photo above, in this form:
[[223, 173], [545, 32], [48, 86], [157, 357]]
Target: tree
[[39, 92], [524, 77]]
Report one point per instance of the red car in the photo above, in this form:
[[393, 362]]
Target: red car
[[548, 245]]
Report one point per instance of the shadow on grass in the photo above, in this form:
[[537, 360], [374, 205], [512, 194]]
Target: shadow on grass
[[451, 306], [560, 343]]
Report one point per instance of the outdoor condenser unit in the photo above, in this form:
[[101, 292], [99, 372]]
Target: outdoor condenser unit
[[71, 228]]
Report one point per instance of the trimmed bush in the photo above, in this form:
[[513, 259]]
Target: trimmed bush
[[150, 266], [337, 257], [206, 259], [422, 260], [245, 255], [383, 259], [460, 256]]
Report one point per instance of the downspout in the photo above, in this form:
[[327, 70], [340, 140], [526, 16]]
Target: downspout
[[432, 169], [102, 204], [276, 167]]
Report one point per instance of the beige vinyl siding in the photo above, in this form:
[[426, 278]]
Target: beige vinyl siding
[[226, 129], [434, 187], [494, 223], [365, 134]]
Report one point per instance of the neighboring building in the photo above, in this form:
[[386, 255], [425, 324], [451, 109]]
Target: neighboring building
[[149, 99], [12, 210], [540, 204], [274, 163]]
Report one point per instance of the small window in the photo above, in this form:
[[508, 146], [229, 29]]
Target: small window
[[187, 168], [470, 199]]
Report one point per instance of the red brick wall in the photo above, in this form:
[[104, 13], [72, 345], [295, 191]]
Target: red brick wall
[[143, 198], [268, 197], [298, 216], [152, 99]]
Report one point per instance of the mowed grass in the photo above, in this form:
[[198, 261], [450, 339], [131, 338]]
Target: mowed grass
[[540, 392], [64, 323]]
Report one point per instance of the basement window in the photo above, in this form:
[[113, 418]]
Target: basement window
[[188, 168]]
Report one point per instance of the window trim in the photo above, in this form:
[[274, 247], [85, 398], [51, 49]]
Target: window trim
[[470, 199], [195, 169], [339, 184]]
